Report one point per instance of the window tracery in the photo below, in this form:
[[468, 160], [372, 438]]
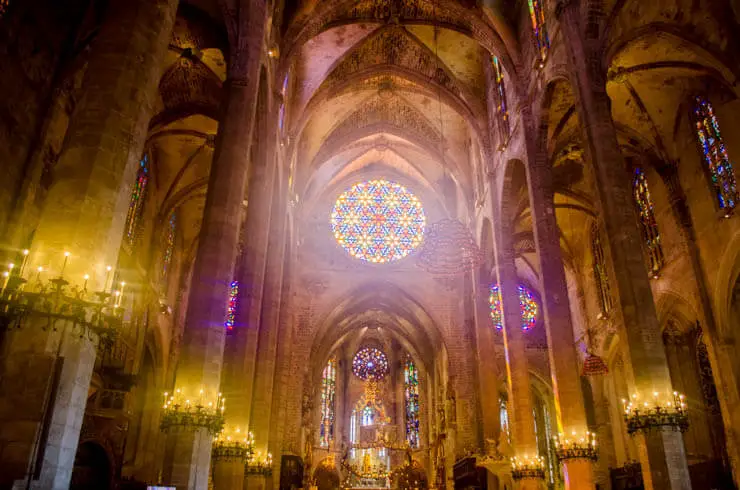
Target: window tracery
[[527, 305], [232, 306], [169, 248], [718, 164], [411, 385], [539, 27], [502, 109], [328, 395], [601, 278], [648, 224], [378, 221], [138, 196], [503, 410]]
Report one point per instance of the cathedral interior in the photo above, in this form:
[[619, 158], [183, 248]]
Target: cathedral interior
[[369, 244]]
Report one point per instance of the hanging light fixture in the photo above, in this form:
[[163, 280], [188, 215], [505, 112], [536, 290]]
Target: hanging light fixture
[[449, 248], [593, 365]]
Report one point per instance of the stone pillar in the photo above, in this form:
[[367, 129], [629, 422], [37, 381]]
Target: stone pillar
[[201, 359], [487, 368], [521, 406], [240, 354], [566, 379], [662, 454], [84, 211], [44, 399], [265, 372]]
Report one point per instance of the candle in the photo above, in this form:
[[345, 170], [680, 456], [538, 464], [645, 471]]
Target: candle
[[23, 264], [39, 270], [108, 278], [64, 265], [119, 294], [84, 286], [6, 275]]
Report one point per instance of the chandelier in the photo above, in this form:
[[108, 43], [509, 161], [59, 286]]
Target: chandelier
[[180, 412], [671, 414], [233, 446], [259, 465], [55, 305], [594, 365], [528, 468], [574, 447], [449, 249]]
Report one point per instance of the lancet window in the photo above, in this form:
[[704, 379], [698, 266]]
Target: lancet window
[[138, 196], [601, 278], [503, 412], [232, 306], [169, 247], [539, 27], [502, 109], [712, 147], [527, 305], [328, 395], [648, 224], [411, 385]]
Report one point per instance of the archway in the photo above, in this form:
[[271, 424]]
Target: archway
[[92, 469]]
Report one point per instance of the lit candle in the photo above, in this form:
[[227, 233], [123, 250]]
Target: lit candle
[[64, 265], [39, 270], [23, 264], [84, 286], [108, 278], [120, 296]]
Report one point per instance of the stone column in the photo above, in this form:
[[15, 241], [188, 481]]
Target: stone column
[[43, 400], [189, 452], [521, 413], [662, 454], [566, 379], [487, 368], [265, 372], [240, 353]]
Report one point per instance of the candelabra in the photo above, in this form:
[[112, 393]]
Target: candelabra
[[233, 446], [528, 467], [258, 465], [55, 305], [656, 415], [179, 412], [575, 447]]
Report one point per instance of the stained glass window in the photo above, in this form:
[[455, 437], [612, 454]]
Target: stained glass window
[[715, 154], [231, 306], [648, 225], [136, 205], [378, 221], [169, 247], [370, 363], [411, 385], [502, 109], [601, 278], [503, 412], [527, 304], [368, 416], [3, 7], [328, 394], [539, 27]]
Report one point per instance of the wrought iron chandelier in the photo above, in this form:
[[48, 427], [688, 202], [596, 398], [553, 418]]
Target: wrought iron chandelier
[[449, 248]]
